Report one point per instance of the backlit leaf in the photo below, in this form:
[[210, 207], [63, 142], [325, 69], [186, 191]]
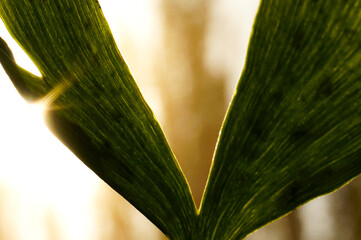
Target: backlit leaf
[[293, 130], [95, 107]]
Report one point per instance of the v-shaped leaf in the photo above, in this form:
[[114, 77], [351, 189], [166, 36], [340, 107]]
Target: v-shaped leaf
[[293, 129], [291, 133], [95, 107]]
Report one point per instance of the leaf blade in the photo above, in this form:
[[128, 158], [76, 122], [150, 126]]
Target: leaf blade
[[96, 109], [291, 133]]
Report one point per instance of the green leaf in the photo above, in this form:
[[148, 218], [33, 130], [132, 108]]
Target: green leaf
[[95, 107], [292, 132]]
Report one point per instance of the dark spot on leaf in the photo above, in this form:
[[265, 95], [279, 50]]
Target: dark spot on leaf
[[351, 35], [257, 131], [107, 145], [327, 173], [277, 97], [127, 173], [96, 59], [289, 80], [252, 154], [254, 146], [258, 127], [98, 3], [349, 32], [291, 196], [244, 177], [70, 9], [99, 87], [98, 90], [304, 172], [325, 89], [117, 116], [298, 39], [142, 144], [107, 150], [301, 132], [87, 25]]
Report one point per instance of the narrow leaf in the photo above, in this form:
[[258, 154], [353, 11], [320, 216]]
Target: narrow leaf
[[95, 107], [293, 130]]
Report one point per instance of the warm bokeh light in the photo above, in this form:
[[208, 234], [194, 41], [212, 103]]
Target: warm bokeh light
[[46, 193], [39, 176]]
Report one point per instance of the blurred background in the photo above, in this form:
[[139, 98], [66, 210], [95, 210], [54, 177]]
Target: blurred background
[[186, 57]]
